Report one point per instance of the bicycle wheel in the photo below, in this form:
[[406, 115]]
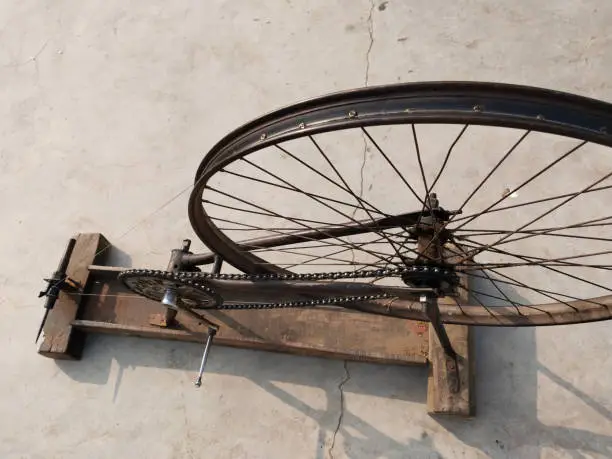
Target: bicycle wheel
[[341, 182]]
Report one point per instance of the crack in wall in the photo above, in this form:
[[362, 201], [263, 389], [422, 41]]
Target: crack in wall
[[370, 23], [347, 377], [31, 59]]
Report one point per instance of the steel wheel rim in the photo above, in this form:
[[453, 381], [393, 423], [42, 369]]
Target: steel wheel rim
[[476, 107]]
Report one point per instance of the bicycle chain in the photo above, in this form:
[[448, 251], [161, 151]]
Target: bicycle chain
[[191, 278]]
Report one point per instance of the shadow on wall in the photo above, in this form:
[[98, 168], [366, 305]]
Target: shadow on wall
[[506, 423]]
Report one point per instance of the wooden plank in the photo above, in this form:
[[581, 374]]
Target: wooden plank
[[60, 340], [442, 397], [334, 333], [331, 332], [412, 355]]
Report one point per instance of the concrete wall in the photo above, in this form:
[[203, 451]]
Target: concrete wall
[[106, 108]]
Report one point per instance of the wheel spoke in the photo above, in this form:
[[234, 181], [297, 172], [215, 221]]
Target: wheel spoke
[[458, 305], [418, 154], [299, 221], [287, 239], [525, 258], [549, 211], [476, 294], [402, 178], [328, 226], [479, 186], [525, 183], [538, 261], [346, 185], [545, 231], [290, 188], [326, 256], [318, 200], [308, 166], [503, 293], [267, 213], [520, 284], [546, 293], [550, 230], [357, 197], [529, 203], [446, 158], [378, 241], [428, 191], [535, 263], [492, 171], [535, 233]]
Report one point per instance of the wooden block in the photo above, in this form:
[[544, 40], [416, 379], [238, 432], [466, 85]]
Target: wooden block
[[441, 398], [305, 335], [60, 340], [442, 394]]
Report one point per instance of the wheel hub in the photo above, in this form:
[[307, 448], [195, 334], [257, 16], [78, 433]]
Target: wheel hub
[[170, 290], [430, 269], [440, 277]]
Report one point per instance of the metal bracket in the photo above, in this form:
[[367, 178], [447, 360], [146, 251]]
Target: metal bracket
[[430, 304], [58, 282], [175, 264]]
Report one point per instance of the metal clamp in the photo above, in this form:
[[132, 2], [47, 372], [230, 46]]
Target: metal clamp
[[58, 282]]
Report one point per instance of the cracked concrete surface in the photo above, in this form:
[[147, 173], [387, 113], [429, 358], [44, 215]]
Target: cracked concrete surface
[[345, 379], [370, 24], [107, 108]]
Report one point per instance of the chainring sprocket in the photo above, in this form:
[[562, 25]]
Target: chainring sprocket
[[153, 284]]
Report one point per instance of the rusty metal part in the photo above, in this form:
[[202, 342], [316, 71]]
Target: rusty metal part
[[57, 283], [154, 285], [177, 263], [430, 246]]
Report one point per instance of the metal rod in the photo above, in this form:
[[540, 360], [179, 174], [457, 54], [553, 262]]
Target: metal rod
[[211, 333], [342, 230], [63, 264], [433, 313], [217, 264], [42, 324], [452, 364]]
